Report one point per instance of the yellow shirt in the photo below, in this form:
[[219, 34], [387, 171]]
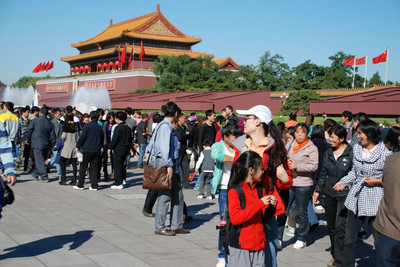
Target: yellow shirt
[[260, 148]]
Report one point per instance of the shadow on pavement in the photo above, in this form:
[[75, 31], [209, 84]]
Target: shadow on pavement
[[199, 218], [47, 244]]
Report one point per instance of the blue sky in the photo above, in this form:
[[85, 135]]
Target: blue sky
[[43, 30]]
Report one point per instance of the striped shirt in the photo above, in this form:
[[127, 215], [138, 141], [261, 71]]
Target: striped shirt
[[363, 199]]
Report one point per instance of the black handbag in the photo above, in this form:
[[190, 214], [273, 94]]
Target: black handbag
[[7, 197], [155, 177]]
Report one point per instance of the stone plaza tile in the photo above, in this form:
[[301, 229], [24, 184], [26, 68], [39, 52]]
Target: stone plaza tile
[[117, 259]]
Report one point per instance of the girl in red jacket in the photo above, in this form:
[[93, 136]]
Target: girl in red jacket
[[247, 201]]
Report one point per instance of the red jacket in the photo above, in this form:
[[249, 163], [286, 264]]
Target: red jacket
[[266, 181], [252, 236]]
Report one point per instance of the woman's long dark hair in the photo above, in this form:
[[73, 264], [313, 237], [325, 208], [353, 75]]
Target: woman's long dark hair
[[392, 139], [277, 154], [240, 167]]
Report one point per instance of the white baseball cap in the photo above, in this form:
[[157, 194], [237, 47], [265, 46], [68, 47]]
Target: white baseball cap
[[260, 111]]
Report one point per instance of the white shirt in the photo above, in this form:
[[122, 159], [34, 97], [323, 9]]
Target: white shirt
[[223, 184]]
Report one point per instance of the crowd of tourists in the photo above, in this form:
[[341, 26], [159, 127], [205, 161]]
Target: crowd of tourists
[[266, 176]]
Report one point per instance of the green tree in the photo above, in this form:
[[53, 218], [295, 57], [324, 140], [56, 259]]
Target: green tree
[[338, 75], [2, 85], [306, 76], [25, 81], [299, 100], [274, 73], [375, 80]]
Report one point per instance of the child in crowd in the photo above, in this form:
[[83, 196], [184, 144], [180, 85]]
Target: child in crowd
[[207, 169], [246, 244], [224, 153]]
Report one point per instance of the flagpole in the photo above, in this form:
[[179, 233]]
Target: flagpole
[[387, 61], [365, 75], [354, 72]]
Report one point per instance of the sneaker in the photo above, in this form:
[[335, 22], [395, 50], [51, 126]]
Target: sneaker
[[92, 189], [319, 207], [200, 196], [124, 182], [221, 262], [299, 244], [77, 187], [196, 188], [117, 186], [209, 198]]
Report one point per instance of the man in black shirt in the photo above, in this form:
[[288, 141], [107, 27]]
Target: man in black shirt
[[207, 131], [120, 145], [142, 135], [183, 136]]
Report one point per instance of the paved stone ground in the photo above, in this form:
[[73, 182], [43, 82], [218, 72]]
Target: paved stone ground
[[53, 225]]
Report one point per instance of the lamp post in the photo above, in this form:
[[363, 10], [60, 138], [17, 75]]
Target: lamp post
[[284, 98]]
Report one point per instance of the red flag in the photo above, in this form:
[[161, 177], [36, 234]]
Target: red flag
[[119, 54], [142, 53], [130, 57], [37, 69], [360, 61], [349, 61], [50, 66], [381, 58], [44, 66], [123, 55]]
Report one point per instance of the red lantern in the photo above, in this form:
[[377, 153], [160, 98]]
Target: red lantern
[[87, 69], [117, 64], [99, 67], [76, 70], [105, 66], [72, 70], [81, 69]]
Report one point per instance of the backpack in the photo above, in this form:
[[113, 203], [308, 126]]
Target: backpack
[[231, 233]]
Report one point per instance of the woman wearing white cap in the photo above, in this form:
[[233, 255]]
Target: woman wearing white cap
[[265, 139]]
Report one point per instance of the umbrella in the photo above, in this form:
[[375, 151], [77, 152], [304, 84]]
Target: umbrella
[[85, 107]]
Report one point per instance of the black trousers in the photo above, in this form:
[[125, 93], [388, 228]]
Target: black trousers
[[63, 166], [336, 214], [353, 225], [184, 169], [103, 160], [119, 165], [91, 158], [27, 152]]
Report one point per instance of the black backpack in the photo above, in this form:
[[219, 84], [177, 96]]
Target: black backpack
[[232, 232]]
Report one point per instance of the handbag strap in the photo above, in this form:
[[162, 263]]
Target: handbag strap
[[151, 149]]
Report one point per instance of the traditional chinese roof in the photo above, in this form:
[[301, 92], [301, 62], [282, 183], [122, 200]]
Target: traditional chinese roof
[[150, 51], [152, 26], [227, 63]]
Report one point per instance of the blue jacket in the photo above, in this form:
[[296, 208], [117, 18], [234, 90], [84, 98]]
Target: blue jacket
[[91, 138], [40, 132], [58, 148]]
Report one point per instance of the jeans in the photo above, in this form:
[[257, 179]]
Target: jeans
[[388, 252], [91, 158], [206, 183], [52, 161], [223, 194], [312, 217], [353, 225], [302, 195], [142, 151], [198, 181], [271, 240], [336, 214]]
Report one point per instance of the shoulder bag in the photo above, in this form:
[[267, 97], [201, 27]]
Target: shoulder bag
[[7, 197], [155, 177]]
